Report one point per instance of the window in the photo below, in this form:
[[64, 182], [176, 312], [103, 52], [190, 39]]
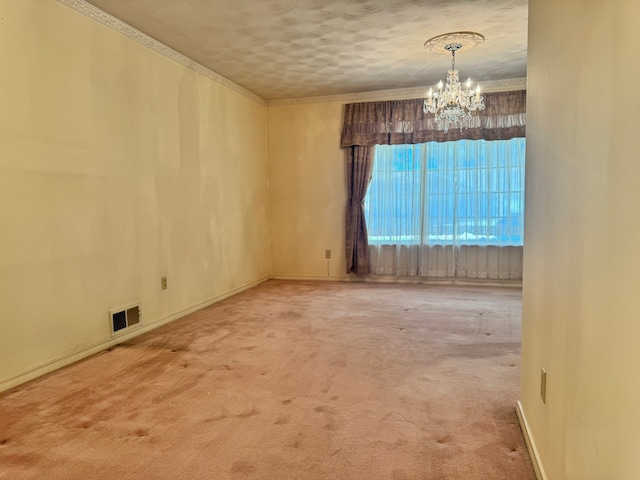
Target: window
[[469, 192]]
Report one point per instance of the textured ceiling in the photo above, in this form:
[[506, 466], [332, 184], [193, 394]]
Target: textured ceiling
[[304, 48]]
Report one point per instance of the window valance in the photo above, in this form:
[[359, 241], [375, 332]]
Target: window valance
[[402, 122]]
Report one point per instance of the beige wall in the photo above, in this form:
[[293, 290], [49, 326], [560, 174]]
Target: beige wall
[[117, 166], [580, 312], [308, 190]]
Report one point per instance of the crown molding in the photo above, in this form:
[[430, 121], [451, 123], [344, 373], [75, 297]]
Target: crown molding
[[103, 18], [395, 94]]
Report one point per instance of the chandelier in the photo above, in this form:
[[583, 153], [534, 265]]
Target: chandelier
[[452, 103]]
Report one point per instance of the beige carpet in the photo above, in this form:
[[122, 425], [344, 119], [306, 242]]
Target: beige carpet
[[289, 380]]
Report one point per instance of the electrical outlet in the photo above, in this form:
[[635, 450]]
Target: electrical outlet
[[163, 282], [327, 254], [543, 385]]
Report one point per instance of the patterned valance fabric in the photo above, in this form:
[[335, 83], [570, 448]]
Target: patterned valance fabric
[[402, 122]]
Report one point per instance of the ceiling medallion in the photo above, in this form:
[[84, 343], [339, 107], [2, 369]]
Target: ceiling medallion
[[468, 40], [452, 104]]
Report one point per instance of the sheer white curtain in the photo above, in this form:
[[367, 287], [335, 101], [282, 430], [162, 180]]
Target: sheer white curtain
[[447, 209]]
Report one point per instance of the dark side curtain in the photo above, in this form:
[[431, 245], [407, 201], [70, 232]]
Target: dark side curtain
[[402, 122], [359, 167]]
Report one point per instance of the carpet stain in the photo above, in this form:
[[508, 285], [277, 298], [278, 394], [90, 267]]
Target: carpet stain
[[214, 419], [141, 432], [296, 442], [20, 459], [331, 426], [244, 467], [323, 409], [178, 390], [282, 421], [250, 413], [287, 401]]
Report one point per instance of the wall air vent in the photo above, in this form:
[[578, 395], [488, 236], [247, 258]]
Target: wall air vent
[[124, 319]]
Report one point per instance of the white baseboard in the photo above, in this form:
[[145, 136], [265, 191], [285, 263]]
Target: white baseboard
[[67, 359], [314, 278], [437, 281], [531, 444], [404, 280]]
